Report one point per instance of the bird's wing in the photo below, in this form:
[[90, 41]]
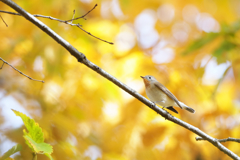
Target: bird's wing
[[168, 93]]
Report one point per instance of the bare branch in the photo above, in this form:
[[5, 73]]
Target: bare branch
[[221, 140], [36, 15], [3, 21], [73, 15], [17, 14], [2, 65], [82, 58], [19, 71], [79, 26], [83, 15], [66, 22]]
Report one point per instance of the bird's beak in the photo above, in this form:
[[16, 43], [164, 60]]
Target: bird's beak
[[146, 82]]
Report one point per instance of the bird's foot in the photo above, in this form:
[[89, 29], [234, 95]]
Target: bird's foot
[[164, 109]]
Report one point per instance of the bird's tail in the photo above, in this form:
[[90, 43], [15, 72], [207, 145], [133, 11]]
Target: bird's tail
[[189, 109]]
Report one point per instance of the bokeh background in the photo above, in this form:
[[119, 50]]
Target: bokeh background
[[192, 47]]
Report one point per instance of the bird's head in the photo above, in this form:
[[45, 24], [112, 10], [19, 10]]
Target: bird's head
[[148, 79]]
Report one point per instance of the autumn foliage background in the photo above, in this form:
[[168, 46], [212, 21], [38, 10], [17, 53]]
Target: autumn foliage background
[[192, 47]]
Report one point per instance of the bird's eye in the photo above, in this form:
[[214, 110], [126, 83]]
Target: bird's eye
[[149, 77]]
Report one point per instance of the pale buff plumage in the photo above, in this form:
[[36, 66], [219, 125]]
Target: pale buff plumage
[[159, 94]]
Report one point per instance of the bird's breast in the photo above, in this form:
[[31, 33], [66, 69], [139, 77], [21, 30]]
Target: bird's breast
[[156, 95]]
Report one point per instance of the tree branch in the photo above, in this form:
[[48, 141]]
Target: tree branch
[[221, 140], [19, 71], [4, 21], [83, 15], [69, 22], [82, 58]]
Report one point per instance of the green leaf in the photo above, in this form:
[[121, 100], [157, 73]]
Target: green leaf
[[40, 148], [34, 137], [11, 151], [200, 43], [231, 29], [34, 131], [224, 47]]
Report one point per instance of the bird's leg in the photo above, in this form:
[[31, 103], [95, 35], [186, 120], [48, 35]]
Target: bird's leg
[[158, 102], [165, 110], [162, 107]]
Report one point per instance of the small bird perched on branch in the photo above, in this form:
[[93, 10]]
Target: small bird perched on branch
[[159, 94]]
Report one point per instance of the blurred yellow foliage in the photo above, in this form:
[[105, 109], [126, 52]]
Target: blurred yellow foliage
[[189, 46]]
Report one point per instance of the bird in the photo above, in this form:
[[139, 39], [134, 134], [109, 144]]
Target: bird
[[160, 95]]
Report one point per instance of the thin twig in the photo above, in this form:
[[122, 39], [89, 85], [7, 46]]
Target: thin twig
[[19, 71], [73, 15], [221, 140], [83, 15], [3, 21], [65, 21], [13, 13], [2, 65], [79, 26], [36, 15]]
